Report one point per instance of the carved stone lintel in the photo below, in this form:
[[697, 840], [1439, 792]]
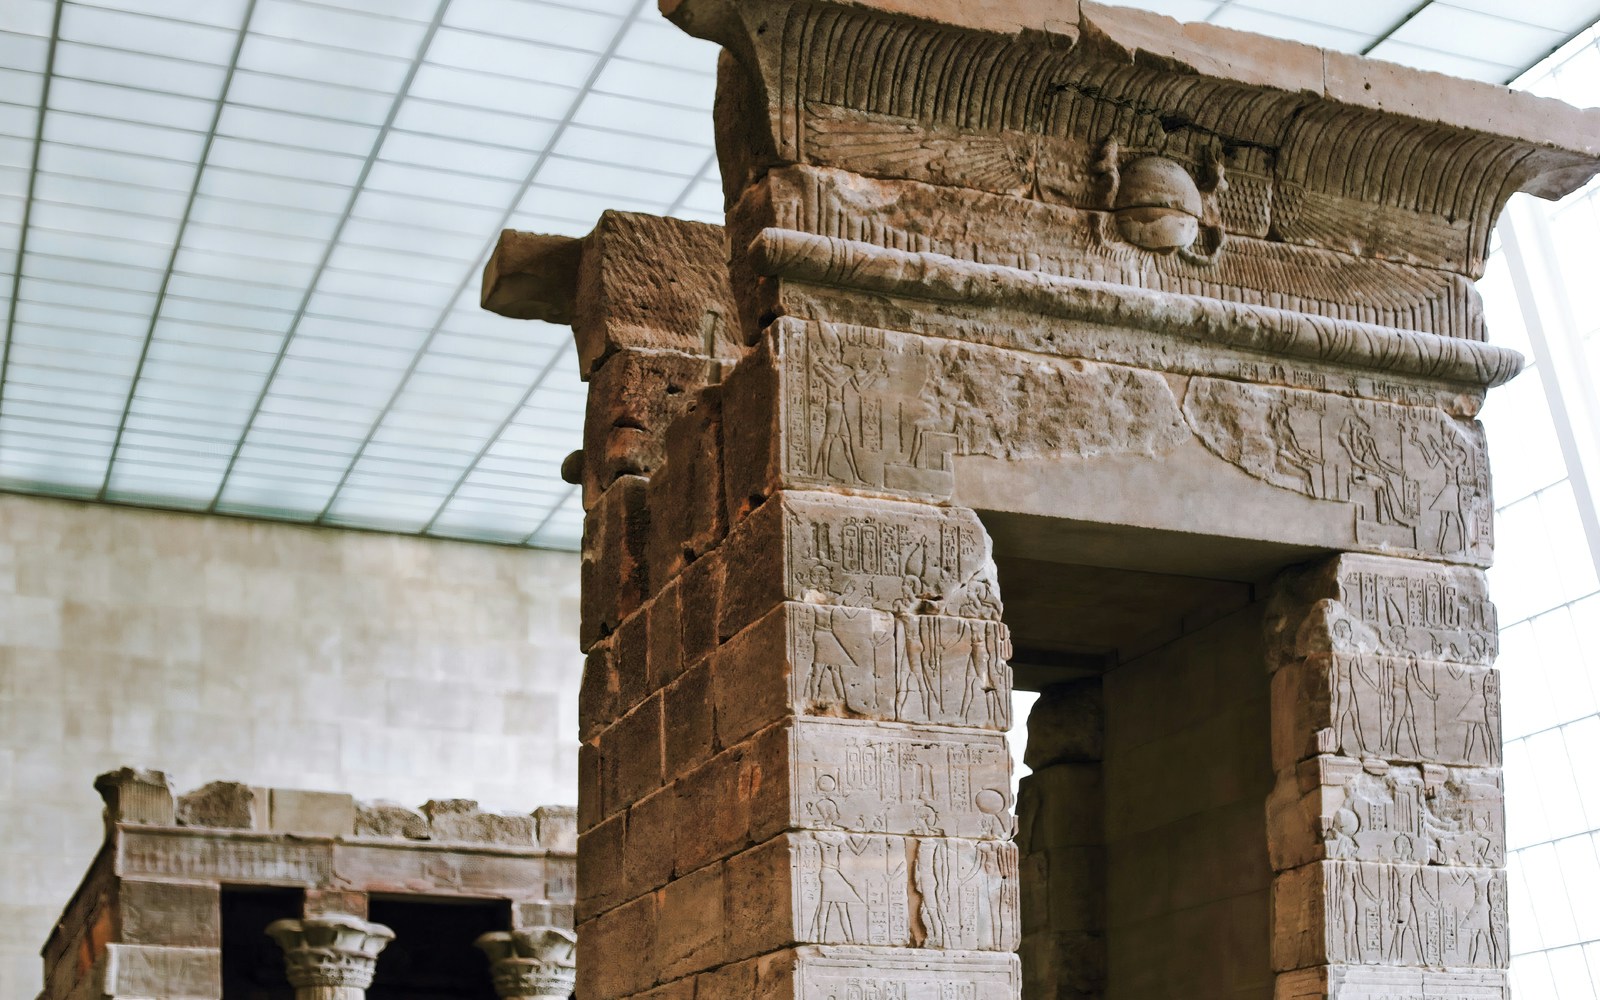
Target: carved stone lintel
[[331, 950], [533, 963]]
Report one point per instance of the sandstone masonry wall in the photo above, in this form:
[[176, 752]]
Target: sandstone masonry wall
[[383, 666]]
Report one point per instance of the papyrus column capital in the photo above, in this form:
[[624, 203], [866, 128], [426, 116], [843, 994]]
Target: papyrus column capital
[[532, 963], [331, 956]]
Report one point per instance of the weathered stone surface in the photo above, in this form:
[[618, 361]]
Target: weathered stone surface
[[850, 281], [313, 814], [136, 796], [879, 554], [685, 496], [814, 96], [230, 805], [1336, 808], [832, 888], [389, 820], [615, 574], [1365, 605], [832, 660], [556, 828], [170, 915], [1395, 708], [826, 972], [1340, 982], [134, 970], [1417, 480], [1355, 913], [633, 398], [460, 821], [533, 277], [874, 411], [172, 854]]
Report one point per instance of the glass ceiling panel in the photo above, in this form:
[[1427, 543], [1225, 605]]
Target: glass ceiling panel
[[301, 283]]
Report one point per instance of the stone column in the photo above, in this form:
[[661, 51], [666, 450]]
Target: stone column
[[1387, 825], [535, 963], [331, 956]]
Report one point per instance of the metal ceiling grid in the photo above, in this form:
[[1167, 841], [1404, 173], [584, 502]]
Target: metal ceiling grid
[[241, 238]]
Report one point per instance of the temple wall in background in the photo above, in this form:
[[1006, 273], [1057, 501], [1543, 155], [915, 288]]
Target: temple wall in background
[[384, 666]]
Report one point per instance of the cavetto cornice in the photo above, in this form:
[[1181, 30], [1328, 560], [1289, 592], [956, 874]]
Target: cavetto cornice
[[1049, 101]]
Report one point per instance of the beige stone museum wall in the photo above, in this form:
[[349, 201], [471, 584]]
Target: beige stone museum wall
[[386, 666]]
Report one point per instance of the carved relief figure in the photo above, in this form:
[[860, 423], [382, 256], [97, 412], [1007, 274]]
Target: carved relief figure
[[969, 894], [1386, 461], [1413, 915], [852, 889], [926, 782]]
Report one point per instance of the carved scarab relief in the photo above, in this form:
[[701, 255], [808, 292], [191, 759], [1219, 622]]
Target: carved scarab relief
[[1158, 206]]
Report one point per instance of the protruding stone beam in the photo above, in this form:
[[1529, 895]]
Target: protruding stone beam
[[535, 963], [330, 957]]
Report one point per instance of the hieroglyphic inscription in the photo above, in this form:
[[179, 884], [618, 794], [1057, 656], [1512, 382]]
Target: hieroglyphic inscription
[[1415, 479], [852, 889], [970, 894], [856, 889], [1431, 613], [906, 668], [930, 782], [1395, 707], [887, 411], [1415, 915], [843, 973], [178, 855], [1374, 811], [901, 558], [1375, 983]]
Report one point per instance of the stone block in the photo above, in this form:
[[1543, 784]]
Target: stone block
[[530, 276], [614, 574], [631, 757], [666, 660], [614, 950], [648, 282], [688, 735], [1061, 806], [1379, 606], [134, 795], [1067, 724], [1354, 982], [1336, 808], [825, 972], [701, 592], [601, 866], [1389, 707], [688, 519], [1358, 913], [831, 888], [311, 814], [591, 808], [556, 828], [1064, 965], [169, 914], [168, 973], [461, 821], [319, 902], [633, 397], [646, 857], [691, 933], [389, 820], [854, 662], [224, 805], [876, 411], [599, 690], [182, 855], [887, 555]]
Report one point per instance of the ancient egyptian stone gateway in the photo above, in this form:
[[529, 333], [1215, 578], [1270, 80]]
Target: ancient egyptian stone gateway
[[1167, 333]]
